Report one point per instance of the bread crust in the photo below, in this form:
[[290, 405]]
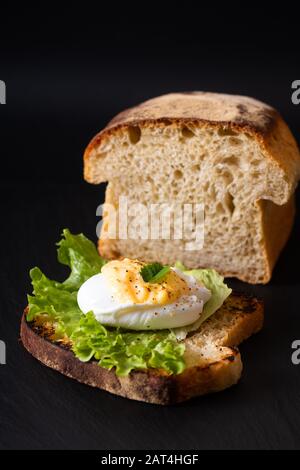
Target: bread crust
[[204, 109], [224, 112], [152, 385], [277, 224]]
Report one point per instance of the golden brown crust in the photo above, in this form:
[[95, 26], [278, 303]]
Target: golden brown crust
[[155, 386], [195, 108], [277, 224], [204, 106], [203, 109]]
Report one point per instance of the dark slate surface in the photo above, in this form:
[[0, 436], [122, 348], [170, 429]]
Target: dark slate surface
[[42, 409], [67, 73]]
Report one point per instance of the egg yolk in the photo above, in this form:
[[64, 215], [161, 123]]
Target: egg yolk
[[127, 284]]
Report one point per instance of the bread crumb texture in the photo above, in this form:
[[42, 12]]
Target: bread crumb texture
[[234, 154]]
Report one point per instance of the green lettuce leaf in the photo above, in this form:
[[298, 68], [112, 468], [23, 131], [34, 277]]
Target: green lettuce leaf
[[126, 350], [122, 349], [51, 298], [81, 256], [219, 293]]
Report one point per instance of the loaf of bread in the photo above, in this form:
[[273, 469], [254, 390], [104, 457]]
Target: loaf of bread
[[233, 154]]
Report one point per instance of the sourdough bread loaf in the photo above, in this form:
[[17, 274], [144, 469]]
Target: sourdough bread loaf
[[233, 154]]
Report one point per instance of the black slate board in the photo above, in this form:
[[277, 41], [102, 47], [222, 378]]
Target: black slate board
[[42, 409], [68, 72]]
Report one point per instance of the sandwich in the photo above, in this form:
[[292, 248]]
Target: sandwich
[[146, 331], [148, 316], [233, 154]]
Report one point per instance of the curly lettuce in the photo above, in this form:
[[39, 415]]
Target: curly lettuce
[[113, 348], [127, 350]]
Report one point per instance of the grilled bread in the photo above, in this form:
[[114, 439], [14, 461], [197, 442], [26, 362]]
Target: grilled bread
[[213, 361]]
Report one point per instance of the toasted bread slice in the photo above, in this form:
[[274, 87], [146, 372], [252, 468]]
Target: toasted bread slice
[[213, 362]]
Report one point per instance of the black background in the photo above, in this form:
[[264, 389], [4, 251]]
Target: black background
[[67, 72]]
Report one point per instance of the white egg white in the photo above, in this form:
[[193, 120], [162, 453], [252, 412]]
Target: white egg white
[[95, 295]]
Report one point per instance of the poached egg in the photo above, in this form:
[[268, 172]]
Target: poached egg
[[119, 297]]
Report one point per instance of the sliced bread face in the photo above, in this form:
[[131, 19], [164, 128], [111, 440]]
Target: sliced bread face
[[233, 154], [213, 362]]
